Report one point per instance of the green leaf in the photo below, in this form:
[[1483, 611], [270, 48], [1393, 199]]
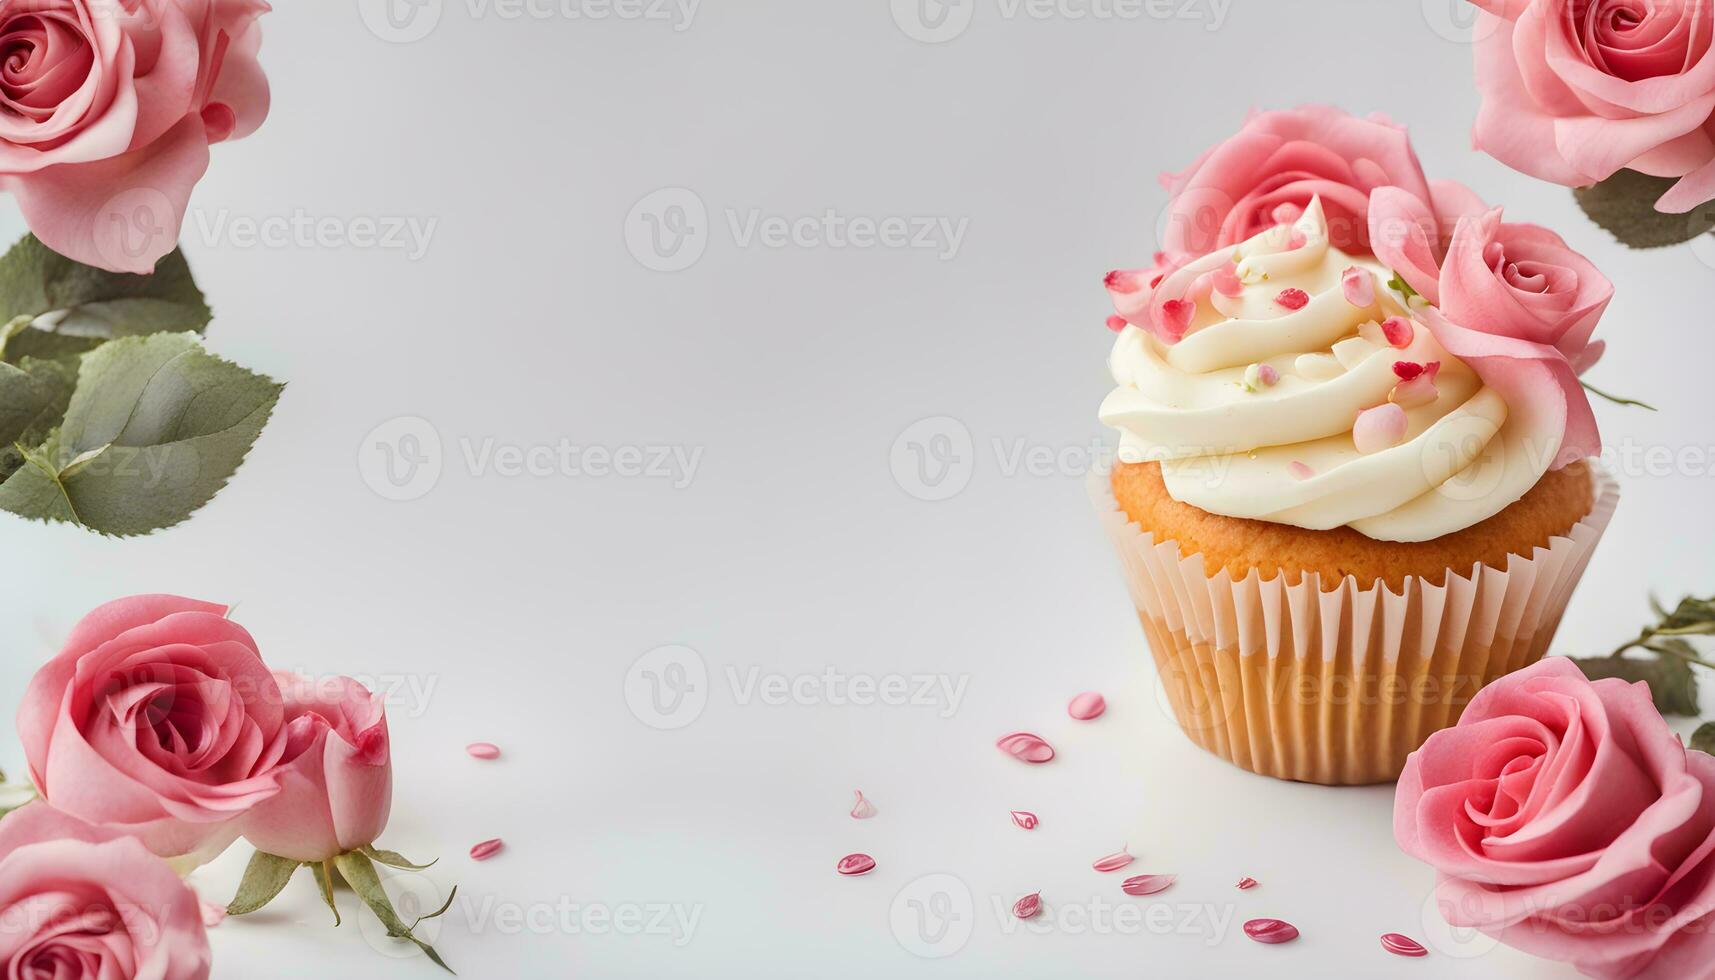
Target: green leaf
[[264, 878], [1671, 682], [1624, 204], [14, 795], [1399, 285], [359, 873], [155, 427], [34, 396], [1703, 739], [74, 307], [1616, 399], [393, 859], [324, 883]]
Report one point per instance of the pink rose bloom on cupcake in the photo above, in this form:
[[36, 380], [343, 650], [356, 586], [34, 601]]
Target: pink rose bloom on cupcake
[[1565, 818], [1574, 90], [107, 110], [336, 776], [90, 903], [159, 719]]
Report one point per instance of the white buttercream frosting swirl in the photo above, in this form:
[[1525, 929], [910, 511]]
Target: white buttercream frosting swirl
[[1285, 452]]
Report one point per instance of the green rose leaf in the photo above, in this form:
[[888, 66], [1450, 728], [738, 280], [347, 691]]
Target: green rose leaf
[[324, 873], [1671, 682], [393, 859], [1624, 204], [67, 307], [1703, 739], [34, 395], [359, 873], [155, 427], [264, 877]]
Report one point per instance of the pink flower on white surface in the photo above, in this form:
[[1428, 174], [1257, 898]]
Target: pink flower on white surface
[[79, 902], [158, 718], [1574, 90], [1565, 818], [336, 774], [107, 111]]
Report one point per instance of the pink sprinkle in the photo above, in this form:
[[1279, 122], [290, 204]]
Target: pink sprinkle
[[1087, 705], [1028, 906], [1176, 317], [1026, 747], [483, 750], [1271, 931], [1247, 883], [1398, 331], [212, 914], [1226, 280], [1116, 323], [1379, 428], [863, 809], [1400, 945], [1286, 214], [1268, 375], [1359, 287], [1298, 471], [1147, 884], [1406, 370], [1293, 298], [1025, 819], [855, 864], [486, 849], [1113, 862], [1122, 281]]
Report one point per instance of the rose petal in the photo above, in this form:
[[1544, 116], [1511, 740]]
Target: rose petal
[[1379, 428], [1293, 298], [1026, 747], [1113, 862], [1400, 945], [1028, 906], [863, 809], [486, 849], [1147, 884], [1271, 931], [1087, 705], [1247, 883], [855, 864], [1359, 287], [483, 750], [1398, 331]]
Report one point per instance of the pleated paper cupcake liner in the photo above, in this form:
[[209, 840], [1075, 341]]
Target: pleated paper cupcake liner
[[1339, 686]]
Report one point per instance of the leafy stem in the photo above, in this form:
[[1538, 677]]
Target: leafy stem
[[1592, 389]]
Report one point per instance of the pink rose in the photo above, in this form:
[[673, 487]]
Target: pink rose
[[1574, 90], [109, 110], [1565, 818], [1515, 302], [336, 777], [158, 717], [85, 903]]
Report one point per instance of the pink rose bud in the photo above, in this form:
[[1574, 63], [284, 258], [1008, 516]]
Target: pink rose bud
[[336, 776], [81, 902], [157, 718]]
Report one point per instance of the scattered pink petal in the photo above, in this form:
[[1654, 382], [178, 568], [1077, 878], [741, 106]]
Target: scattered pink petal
[[1028, 906], [1406, 370], [212, 914], [1293, 298], [855, 864], [1400, 945], [1123, 281], [1271, 931], [1398, 331], [1296, 241], [1026, 747], [1025, 819], [1359, 287], [1247, 883], [1417, 392], [1226, 281], [1298, 471], [1087, 705], [863, 809], [1268, 375], [1113, 862], [1147, 884], [1116, 323], [486, 849], [1432, 370], [483, 750], [1379, 428], [1176, 317], [1286, 214]]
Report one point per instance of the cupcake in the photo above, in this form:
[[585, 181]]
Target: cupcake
[[1353, 483]]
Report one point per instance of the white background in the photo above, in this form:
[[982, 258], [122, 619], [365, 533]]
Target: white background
[[511, 608]]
